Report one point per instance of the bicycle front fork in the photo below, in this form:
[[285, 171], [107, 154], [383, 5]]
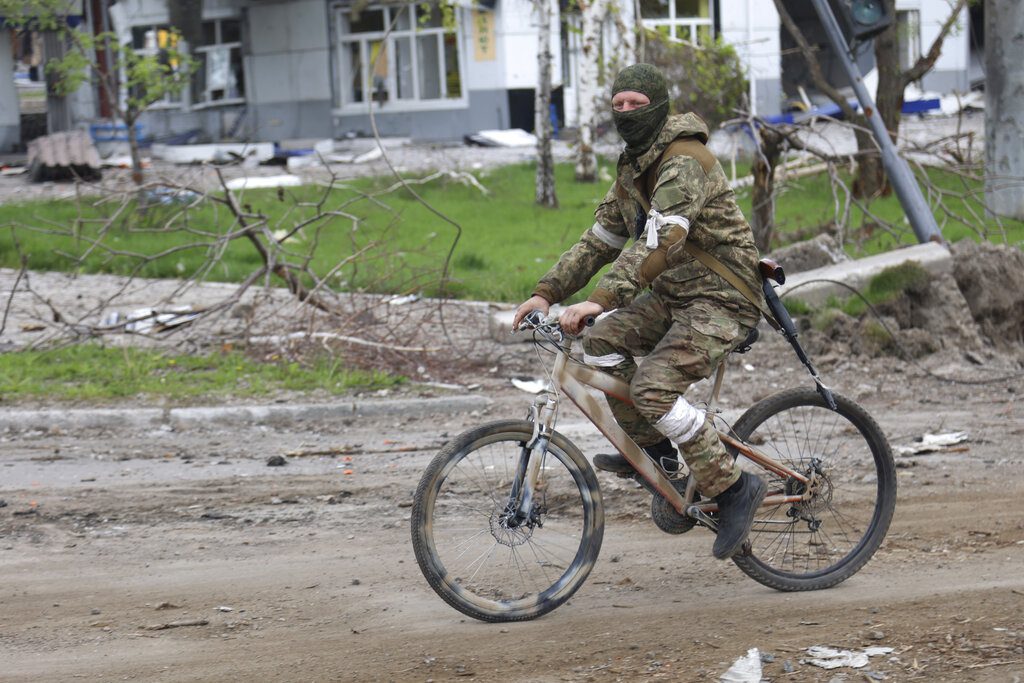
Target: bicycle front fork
[[521, 508]]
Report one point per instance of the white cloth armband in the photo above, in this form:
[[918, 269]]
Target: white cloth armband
[[608, 237], [655, 221]]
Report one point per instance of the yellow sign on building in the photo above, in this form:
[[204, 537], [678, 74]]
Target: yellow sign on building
[[483, 36]]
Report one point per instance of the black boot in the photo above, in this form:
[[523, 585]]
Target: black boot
[[736, 508], [663, 453]]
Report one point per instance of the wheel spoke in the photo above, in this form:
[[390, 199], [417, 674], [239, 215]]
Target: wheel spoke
[[826, 539], [493, 567]]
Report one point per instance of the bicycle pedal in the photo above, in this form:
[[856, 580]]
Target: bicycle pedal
[[696, 513]]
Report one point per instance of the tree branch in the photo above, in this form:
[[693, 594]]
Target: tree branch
[[820, 82], [925, 63]]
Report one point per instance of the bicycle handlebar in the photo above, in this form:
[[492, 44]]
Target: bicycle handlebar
[[534, 320]]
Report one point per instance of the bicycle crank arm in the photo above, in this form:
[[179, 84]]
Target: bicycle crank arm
[[694, 512]]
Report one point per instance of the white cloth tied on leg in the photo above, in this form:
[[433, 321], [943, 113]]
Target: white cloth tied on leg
[[607, 361], [655, 222], [682, 422]]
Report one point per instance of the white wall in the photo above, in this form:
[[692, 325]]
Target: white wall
[[488, 75], [517, 39], [290, 58], [757, 45], [956, 48], [10, 116]]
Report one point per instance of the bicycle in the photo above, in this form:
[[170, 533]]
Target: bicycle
[[507, 520]]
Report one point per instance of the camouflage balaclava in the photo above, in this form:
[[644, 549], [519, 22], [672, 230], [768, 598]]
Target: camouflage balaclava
[[640, 127]]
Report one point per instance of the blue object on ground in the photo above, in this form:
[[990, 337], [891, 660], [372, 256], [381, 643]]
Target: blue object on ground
[[113, 132]]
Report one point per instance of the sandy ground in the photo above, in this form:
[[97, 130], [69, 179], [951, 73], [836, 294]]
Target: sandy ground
[[306, 572]]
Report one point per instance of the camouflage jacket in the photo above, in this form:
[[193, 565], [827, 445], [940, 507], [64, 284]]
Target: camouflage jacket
[[693, 200]]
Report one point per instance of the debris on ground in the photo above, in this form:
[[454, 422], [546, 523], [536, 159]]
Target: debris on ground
[[401, 300], [833, 658], [63, 156], [930, 443], [167, 605], [146, 320], [171, 195], [177, 624], [513, 137], [276, 461], [220, 153], [819, 251], [746, 669], [264, 182]]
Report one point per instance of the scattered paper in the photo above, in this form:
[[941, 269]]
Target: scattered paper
[[512, 137], [832, 658], [930, 443], [401, 300], [143, 320], [746, 669], [264, 182]]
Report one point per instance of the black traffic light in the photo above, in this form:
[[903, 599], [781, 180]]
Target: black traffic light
[[862, 19]]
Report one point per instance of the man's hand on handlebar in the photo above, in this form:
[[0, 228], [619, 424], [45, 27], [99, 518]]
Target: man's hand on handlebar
[[576, 317], [534, 303]]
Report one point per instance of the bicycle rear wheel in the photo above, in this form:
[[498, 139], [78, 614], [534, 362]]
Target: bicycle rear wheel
[[819, 542], [473, 557]]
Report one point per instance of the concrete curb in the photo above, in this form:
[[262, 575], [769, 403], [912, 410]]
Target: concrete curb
[[935, 258], [22, 420]]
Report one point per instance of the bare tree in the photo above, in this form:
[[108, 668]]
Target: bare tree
[[892, 81], [327, 305], [545, 195], [587, 89]]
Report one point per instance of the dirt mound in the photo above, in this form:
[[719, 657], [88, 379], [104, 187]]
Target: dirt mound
[[991, 278], [821, 250], [980, 309]]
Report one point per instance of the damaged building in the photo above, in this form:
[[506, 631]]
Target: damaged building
[[284, 69]]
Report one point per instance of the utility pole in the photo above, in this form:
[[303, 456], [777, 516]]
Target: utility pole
[[900, 175]]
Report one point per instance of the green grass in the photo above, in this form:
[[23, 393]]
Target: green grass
[[506, 243], [809, 202], [90, 372]]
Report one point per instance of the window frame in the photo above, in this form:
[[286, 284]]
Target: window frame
[[187, 101], [166, 104], [219, 44], [345, 105], [674, 22]]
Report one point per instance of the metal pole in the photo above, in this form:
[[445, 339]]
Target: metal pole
[[900, 175]]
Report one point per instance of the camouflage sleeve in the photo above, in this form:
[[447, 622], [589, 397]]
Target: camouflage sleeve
[[598, 246], [679, 196]]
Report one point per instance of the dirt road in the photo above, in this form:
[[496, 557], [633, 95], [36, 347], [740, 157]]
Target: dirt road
[[162, 554]]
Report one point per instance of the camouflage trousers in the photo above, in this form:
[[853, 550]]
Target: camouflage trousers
[[679, 345]]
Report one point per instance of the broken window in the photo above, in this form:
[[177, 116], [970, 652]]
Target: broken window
[[154, 40], [219, 77], [418, 61]]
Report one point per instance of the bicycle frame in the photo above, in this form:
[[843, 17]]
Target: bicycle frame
[[572, 379]]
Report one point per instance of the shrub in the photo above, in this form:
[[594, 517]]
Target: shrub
[[706, 79]]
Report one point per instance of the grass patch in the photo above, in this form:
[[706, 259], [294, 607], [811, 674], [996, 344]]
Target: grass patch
[[808, 202], [507, 242], [92, 372]]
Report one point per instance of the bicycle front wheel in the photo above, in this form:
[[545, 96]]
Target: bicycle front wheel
[[477, 559], [827, 537]]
